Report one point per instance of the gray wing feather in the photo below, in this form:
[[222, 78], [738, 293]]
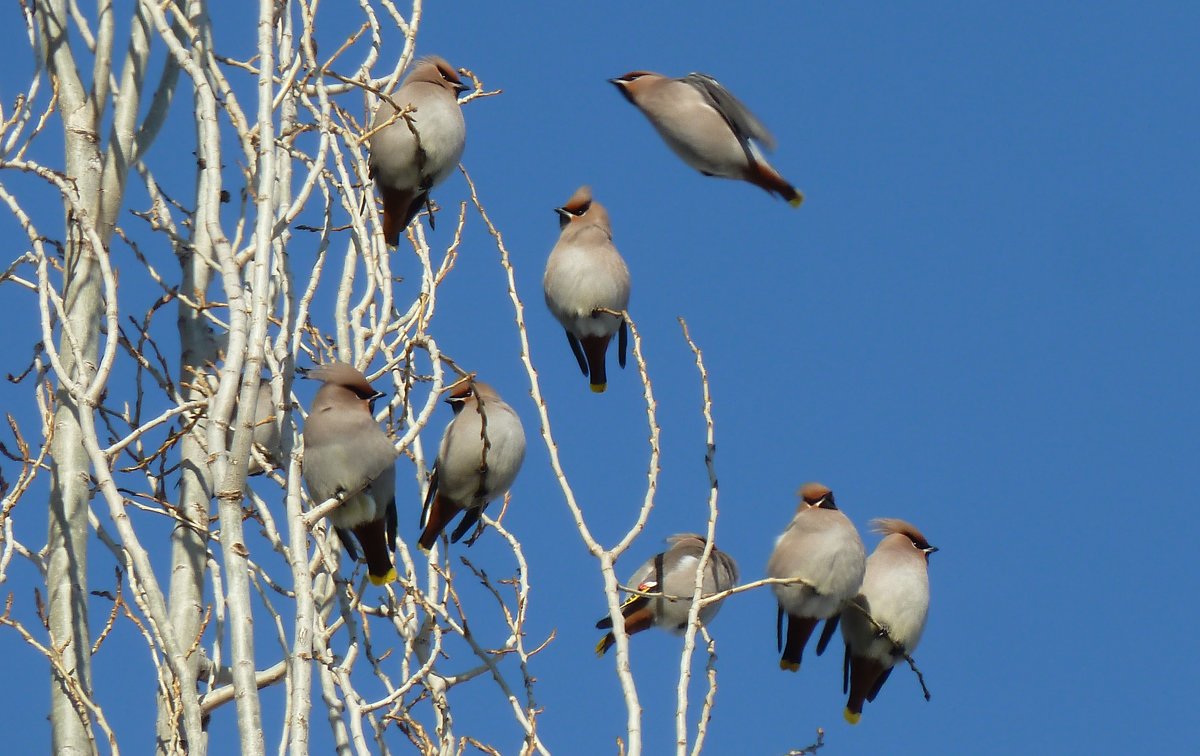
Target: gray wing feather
[[737, 115]]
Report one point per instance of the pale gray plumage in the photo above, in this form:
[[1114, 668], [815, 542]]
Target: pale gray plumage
[[895, 593], [823, 547], [347, 454], [467, 474], [585, 273], [709, 128], [672, 573], [266, 430], [404, 170], [266, 437]]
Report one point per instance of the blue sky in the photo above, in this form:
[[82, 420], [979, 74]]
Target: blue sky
[[982, 320]]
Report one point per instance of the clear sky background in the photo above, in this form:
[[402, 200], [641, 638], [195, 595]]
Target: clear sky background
[[982, 320]]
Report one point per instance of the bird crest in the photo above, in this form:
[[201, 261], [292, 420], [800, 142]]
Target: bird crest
[[887, 526], [816, 494]]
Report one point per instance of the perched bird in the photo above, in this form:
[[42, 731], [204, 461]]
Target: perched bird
[[708, 127], [266, 438], [821, 546], [885, 621], [347, 454], [672, 573], [585, 273], [405, 167], [481, 453], [266, 430]]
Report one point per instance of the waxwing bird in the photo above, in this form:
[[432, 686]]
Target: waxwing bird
[[347, 454], [885, 621], [481, 453], [266, 437], [703, 123], [266, 430], [822, 547], [672, 573], [585, 273], [406, 166]]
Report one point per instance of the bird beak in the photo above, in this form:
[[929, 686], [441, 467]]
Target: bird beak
[[623, 88], [460, 88], [930, 550], [564, 216]]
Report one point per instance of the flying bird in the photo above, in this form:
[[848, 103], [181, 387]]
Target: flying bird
[[703, 123], [347, 455]]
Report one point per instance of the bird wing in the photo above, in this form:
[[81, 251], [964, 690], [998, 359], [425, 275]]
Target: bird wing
[[430, 495], [391, 523], [737, 115], [468, 521]]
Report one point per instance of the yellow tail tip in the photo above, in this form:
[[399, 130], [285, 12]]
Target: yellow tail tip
[[598, 388], [796, 201], [384, 579], [784, 664], [601, 647], [851, 717]]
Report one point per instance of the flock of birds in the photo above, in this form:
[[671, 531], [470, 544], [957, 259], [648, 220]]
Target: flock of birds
[[880, 602]]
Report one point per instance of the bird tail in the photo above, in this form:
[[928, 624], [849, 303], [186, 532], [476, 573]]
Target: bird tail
[[595, 348], [399, 208], [605, 643], [768, 178], [799, 630], [438, 517], [639, 615], [387, 577], [372, 537], [864, 682]]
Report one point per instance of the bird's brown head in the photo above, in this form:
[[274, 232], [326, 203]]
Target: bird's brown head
[[629, 84], [436, 70], [816, 495], [466, 391], [890, 526], [582, 209], [346, 377]]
